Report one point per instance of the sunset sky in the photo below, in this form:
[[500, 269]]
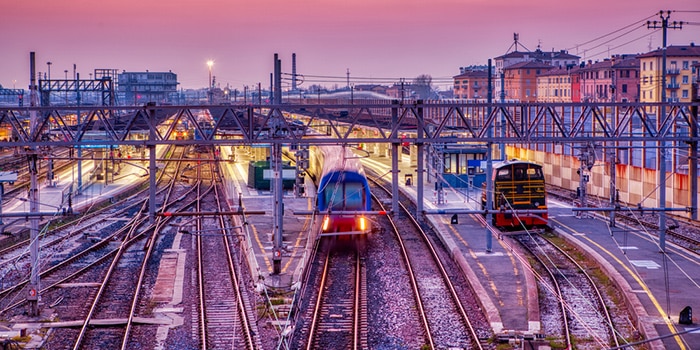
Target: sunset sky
[[379, 39]]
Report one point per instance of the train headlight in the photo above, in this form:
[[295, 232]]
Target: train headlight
[[362, 223], [537, 204], [326, 223]]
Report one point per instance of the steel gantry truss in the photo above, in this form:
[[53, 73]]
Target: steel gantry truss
[[438, 123], [421, 123], [103, 86]]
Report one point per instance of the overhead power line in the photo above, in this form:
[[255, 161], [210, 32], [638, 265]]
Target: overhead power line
[[640, 22], [623, 44]]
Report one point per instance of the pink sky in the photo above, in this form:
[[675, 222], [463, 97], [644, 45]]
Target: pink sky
[[377, 39]]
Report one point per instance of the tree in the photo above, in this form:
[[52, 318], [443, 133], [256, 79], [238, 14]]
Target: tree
[[422, 86]]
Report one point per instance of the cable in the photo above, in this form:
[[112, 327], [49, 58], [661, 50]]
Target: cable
[[613, 32], [629, 42]]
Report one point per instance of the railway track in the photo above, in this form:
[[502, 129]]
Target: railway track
[[119, 292], [339, 318], [443, 313], [78, 273], [225, 317], [583, 317]]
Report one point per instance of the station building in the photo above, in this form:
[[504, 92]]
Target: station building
[[142, 87]]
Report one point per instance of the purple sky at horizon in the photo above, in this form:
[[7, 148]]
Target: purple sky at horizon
[[379, 39]]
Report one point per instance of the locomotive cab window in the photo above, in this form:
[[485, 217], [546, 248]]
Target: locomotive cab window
[[348, 196], [353, 196], [503, 174]]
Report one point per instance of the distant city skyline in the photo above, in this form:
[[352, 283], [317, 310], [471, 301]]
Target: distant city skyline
[[377, 41]]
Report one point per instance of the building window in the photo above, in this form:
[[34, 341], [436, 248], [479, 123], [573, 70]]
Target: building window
[[685, 93], [685, 79], [644, 66], [685, 65], [624, 88]]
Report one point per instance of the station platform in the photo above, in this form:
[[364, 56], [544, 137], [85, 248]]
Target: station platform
[[53, 199]]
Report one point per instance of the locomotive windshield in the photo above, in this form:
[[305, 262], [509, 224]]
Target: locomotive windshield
[[520, 172], [347, 196]]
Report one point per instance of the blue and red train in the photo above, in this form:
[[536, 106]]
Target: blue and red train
[[343, 194]]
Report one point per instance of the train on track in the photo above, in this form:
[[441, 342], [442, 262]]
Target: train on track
[[343, 196], [518, 186]]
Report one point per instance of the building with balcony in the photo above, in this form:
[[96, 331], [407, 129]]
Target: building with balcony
[[680, 61], [555, 59], [471, 84], [135, 88]]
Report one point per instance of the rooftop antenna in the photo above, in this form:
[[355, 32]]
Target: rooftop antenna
[[516, 36]]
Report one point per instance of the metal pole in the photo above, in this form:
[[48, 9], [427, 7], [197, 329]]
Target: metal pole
[[693, 155], [152, 165], [276, 158], [662, 115], [278, 208], [613, 187], [662, 144], [2, 224], [489, 163], [34, 284], [79, 121], [419, 146], [502, 127], [394, 161]]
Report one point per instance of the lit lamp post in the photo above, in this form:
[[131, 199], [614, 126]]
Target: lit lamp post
[[210, 63]]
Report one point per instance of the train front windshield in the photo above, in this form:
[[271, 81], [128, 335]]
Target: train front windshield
[[347, 196], [519, 173]]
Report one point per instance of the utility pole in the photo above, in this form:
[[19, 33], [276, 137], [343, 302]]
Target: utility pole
[[693, 155], [663, 25], [489, 167], [34, 284], [277, 172]]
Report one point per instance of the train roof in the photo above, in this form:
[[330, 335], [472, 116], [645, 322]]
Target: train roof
[[514, 161]]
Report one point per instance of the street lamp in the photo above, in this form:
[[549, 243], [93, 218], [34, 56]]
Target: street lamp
[[49, 65], [66, 72], [210, 63]]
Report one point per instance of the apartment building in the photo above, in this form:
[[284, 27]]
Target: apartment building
[[680, 61], [625, 78], [471, 84], [520, 80], [555, 85]]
